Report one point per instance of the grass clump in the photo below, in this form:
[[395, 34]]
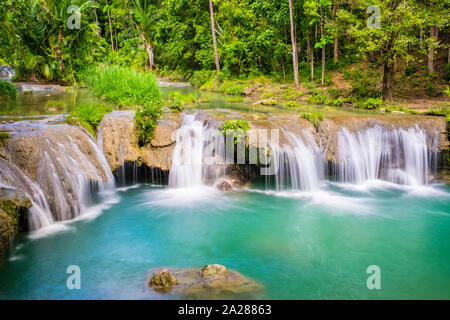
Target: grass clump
[[370, 103], [89, 116], [238, 128], [3, 137], [124, 86], [7, 90], [176, 103], [313, 117], [55, 105], [391, 108], [235, 99]]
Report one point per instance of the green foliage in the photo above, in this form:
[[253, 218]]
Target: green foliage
[[370, 103], [3, 137], [238, 128], [430, 89], [146, 120], [446, 75], [89, 116], [318, 98], [7, 90], [124, 86], [176, 103], [55, 105], [314, 118], [391, 108], [410, 70], [447, 91]]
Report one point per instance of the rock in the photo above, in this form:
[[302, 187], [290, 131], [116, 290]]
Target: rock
[[7, 230], [118, 132], [213, 270], [283, 87], [163, 280], [210, 282], [224, 184]]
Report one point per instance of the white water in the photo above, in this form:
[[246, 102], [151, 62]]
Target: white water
[[300, 163], [396, 155], [66, 177], [198, 157]]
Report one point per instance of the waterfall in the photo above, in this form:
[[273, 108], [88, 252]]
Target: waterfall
[[300, 165], [400, 156], [64, 173], [198, 157]]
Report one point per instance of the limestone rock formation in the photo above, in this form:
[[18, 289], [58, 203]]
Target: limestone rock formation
[[119, 141], [210, 282]]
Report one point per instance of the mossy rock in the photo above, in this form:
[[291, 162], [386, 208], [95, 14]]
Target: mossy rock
[[14, 203], [163, 280]]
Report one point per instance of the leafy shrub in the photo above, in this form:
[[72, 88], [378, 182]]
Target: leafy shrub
[[318, 98], [370, 103], [236, 127], [236, 90], [441, 111], [339, 101], [447, 91], [7, 90], [146, 120], [176, 101], [200, 77], [89, 115], [410, 70], [314, 118], [446, 75], [3, 137], [430, 89]]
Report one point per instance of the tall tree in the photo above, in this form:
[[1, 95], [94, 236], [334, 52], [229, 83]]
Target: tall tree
[[294, 46], [144, 11], [389, 32], [213, 30]]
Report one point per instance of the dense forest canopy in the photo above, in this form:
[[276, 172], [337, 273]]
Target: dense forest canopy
[[58, 40]]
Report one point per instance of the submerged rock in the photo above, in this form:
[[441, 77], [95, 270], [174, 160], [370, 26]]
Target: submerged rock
[[210, 282]]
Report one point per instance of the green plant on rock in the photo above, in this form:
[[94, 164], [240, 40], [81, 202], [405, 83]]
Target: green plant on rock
[[176, 103], [89, 116], [237, 128], [7, 90], [146, 120], [55, 105], [3, 137], [313, 117]]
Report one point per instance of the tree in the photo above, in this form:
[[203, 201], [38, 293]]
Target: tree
[[145, 13], [389, 32], [294, 46], [213, 30]]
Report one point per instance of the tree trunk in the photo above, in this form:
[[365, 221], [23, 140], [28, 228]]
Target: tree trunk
[[335, 40], [294, 47], [149, 49], [323, 50], [431, 50], [110, 28], [213, 30], [387, 81]]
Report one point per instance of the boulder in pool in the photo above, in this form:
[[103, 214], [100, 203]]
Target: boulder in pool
[[210, 282]]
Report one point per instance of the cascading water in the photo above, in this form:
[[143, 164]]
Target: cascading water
[[400, 156], [300, 166], [67, 168], [198, 157]]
